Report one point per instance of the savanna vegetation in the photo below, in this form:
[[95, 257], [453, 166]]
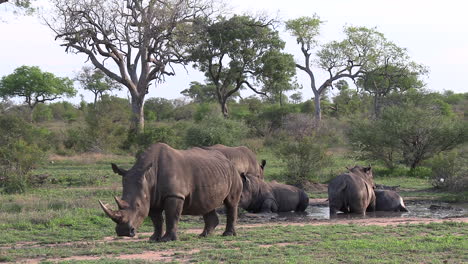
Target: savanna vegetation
[[373, 109]]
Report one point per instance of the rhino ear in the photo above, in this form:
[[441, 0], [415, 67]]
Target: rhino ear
[[347, 168], [367, 169], [262, 165], [118, 170], [245, 181]]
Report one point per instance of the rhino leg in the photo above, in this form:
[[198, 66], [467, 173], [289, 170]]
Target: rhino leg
[[211, 221], [157, 219], [231, 216], [268, 206], [173, 209]]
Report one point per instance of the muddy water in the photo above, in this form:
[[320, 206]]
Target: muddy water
[[420, 209]]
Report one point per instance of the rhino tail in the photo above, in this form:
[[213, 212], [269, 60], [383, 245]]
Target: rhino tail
[[303, 202], [402, 206]]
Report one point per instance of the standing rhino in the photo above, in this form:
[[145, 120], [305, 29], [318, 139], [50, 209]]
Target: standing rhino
[[259, 196], [352, 192], [387, 200], [191, 182], [243, 159]]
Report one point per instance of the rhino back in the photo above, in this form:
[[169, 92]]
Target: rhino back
[[349, 191], [242, 157], [287, 197], [202, 178], [387, 200]]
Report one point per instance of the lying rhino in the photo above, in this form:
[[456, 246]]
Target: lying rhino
[[192, 182], [352, 192], [387, 200], [243, 158], [259, 196]]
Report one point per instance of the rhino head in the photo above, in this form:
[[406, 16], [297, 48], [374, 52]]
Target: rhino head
[[135, 202], [250, 189], [364, 172]]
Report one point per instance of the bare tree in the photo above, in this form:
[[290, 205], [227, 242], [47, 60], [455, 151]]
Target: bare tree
[[134, 42]]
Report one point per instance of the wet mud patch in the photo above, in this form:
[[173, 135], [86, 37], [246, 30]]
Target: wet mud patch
[[318, 210]]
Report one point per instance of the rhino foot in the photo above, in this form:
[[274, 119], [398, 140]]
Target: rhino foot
[[155, 238], [229, 233], [168, 237]]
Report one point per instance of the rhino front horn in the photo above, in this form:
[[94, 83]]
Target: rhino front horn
[[115, 216]]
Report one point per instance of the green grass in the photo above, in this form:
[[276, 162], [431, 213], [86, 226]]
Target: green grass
[[434, 243], [66, 210]]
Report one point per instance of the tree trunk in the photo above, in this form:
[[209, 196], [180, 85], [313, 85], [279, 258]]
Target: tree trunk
[[318, 111], [95, 100], [138, 116], [224, 108]]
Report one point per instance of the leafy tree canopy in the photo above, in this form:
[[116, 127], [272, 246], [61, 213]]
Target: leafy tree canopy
[[35, 86]]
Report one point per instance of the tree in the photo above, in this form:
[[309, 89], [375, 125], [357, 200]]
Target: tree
[[277, 74], [232, 53], [163, 107], [363, 50], [296, 97], [200, 93], [381, 81], [35, 86], [142, 39], [96, 81], [410, 132]]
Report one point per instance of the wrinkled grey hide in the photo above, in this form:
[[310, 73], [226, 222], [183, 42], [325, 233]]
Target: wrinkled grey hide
[[260, 196], [352, 192], [192, 182], [387, 200], [243, 159]]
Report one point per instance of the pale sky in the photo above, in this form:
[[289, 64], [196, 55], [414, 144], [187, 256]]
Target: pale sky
[[434, 32]]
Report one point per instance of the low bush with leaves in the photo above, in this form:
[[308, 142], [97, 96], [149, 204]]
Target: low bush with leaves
[[20, 152], [450, 170], [215, 130], [305, 159]]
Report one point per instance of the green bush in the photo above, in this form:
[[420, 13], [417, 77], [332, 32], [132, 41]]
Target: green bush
[[450, 170], [78, 140], [305, 159], [407, 134], [42, 113], [215, 130], [152, 135], [19, 153]]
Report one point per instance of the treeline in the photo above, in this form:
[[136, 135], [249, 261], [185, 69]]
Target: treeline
[[415, 129]]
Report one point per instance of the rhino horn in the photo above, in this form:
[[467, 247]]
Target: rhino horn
[[121, 203], [115, 216]]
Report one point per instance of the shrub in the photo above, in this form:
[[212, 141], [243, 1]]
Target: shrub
[[450, 170], [41, 113], [215, 130], [407, 134], [305, 158], [19, 153], [151, 135]]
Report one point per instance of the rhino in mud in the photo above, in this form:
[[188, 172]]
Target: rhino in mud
[[265, 197], [243, 159], [352, 192], [187, 182], [387, 200]]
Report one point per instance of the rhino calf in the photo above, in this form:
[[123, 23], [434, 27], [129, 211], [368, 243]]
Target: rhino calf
[[352, 192], [387, 200], [266, 197]]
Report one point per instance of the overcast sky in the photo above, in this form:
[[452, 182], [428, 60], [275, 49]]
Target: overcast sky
[[434, 32]]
